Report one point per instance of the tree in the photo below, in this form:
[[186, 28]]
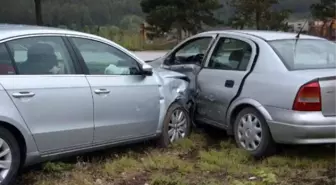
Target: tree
[[258, 13], [131, 22], [274, 20], [324, 9], [38, 12], [186, 15], [111, 12]]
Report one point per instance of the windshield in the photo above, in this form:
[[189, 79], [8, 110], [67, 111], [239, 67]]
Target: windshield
[[309, 53]]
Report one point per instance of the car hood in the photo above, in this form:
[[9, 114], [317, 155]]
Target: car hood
[[164, 73], [156, 63]]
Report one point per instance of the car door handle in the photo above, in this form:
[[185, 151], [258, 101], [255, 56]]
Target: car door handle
[[23, 94], [102, 91], [229, 83]]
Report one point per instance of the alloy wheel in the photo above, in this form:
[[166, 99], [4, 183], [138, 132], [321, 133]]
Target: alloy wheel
[[178, 125], [5, 159]]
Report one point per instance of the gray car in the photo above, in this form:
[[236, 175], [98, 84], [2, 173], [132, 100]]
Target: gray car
[[263, 87], [64, 92]]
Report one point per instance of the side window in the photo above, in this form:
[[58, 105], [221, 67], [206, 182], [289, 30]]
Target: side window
[[41, 55], [103, 59], [6, 67], [191, 52], [230, 54]]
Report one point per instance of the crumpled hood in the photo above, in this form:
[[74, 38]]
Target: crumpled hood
[[164, 73]]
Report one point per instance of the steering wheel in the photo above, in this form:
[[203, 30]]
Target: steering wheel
[[196, 58]]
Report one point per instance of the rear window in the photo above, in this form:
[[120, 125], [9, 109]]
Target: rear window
[[309, 53]]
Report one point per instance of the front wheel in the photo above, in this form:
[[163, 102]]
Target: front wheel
[[252, 133], [176, 125]]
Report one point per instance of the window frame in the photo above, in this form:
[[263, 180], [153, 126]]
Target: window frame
[[74, 60], [171, 56], [12, 62], [252, 44], [81, 60]]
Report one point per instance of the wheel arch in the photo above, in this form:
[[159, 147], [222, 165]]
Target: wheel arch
[[24, 136], [238, 106], [19, 138]]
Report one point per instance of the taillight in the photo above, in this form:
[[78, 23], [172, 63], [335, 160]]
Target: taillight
[[308, 98]]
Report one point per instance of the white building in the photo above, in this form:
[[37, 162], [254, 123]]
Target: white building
[[296, 26]]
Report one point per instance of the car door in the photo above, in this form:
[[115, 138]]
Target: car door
[[221, 78], [55, 102], [126, 103], [187, 58]]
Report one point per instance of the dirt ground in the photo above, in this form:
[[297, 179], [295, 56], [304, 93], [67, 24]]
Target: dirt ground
[[208, 157]]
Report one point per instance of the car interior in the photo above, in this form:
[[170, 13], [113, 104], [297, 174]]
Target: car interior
[[5, 63]]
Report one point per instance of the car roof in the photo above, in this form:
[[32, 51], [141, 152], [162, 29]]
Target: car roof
[[14, 30], [265, 35]]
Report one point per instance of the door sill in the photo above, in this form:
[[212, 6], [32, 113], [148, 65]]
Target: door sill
[[94, 147], [212, 123]]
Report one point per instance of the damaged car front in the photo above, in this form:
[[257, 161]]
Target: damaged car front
[[174, 87], [174, 94]]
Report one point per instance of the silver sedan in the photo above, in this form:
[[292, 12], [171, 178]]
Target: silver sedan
[[263, 87], [64, 92]]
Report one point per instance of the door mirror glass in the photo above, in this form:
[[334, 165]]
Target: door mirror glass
[[147, 70]]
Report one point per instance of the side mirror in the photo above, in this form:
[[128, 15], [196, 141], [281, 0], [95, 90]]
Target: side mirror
[[168, 60], [147, 70]]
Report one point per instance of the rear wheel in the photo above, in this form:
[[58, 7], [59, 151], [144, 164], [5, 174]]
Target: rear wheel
[[176, 125], [252, 133], [9, 157]]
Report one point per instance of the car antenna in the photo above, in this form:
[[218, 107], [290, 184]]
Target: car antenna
[[301, 29], [297, 37]]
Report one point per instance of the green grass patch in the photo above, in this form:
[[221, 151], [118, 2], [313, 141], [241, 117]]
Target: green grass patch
[[53, 167], [199, 160], [123, 164], [167, 161], [173, 179]]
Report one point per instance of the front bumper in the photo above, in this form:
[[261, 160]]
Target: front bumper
[[293, 127]]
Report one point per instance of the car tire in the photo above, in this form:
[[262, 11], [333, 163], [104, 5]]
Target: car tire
[[8, 141], [169, 125], [252, 133]]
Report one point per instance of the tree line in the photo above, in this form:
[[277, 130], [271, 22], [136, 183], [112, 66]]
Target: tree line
[[69, 13], [164, 15], [192, 15]]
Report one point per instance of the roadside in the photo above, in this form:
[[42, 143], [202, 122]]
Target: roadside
[[149, 55], [206, 158]]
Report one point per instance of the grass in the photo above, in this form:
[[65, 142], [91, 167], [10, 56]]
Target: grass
[[203, 159]]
